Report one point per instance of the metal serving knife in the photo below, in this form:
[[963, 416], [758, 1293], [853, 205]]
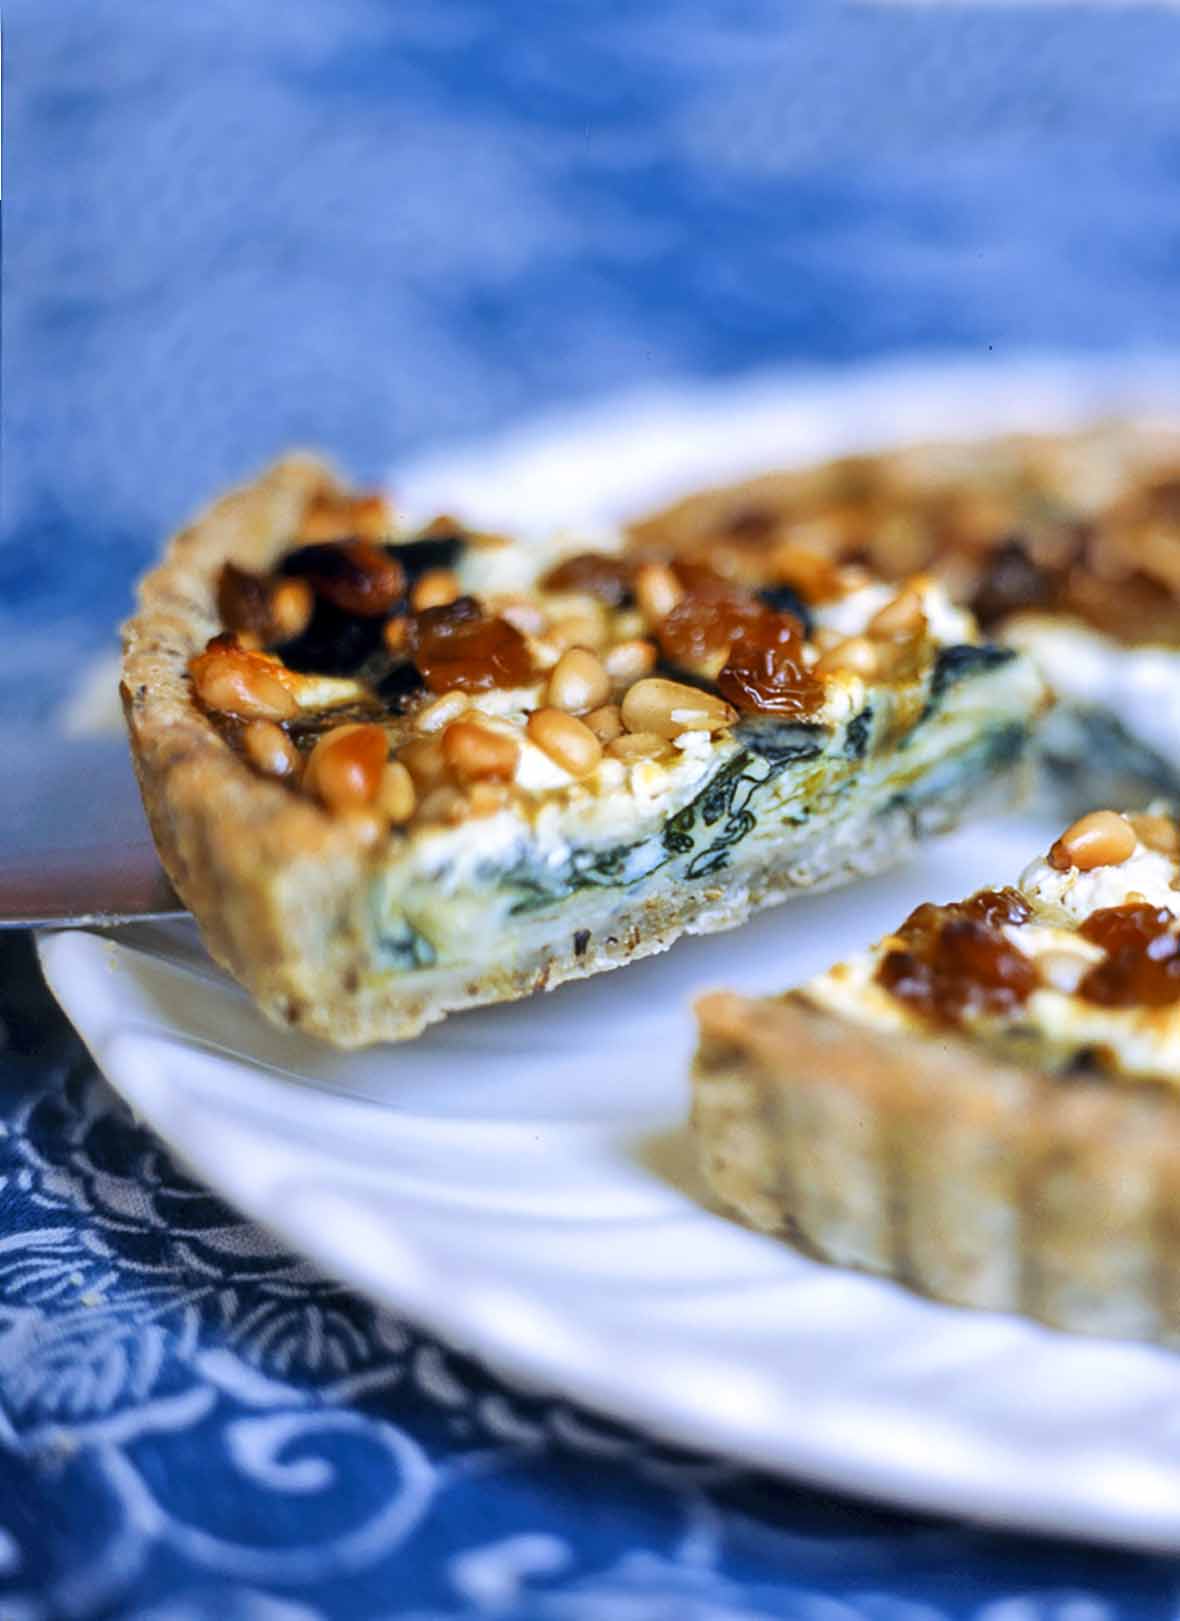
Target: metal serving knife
[[74, 845], [99, 886]]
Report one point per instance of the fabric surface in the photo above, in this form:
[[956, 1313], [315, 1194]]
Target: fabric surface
[[196, 1426], [380, 226]]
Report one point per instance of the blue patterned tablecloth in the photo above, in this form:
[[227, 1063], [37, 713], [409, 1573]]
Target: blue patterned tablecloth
[[377, 225]]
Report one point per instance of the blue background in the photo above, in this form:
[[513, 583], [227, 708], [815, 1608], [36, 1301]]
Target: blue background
[[376, 227]]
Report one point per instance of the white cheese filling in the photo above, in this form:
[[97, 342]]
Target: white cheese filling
[[849, 615], [1138, 684], [1144, 1040]]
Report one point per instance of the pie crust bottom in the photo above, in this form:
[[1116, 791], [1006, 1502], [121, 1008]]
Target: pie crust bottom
[[924, 1160]]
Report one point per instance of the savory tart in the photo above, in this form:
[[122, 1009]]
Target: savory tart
[[399, 772], [1068, 547], [985, 1104]]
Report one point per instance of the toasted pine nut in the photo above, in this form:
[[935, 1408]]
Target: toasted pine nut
[[1101, 839], [342, 517], [423, 758], [576, 630], [903, 617], [371, 517], [657, 590], [628, 661], [291, 604], [606, 723], [855, 654], [813, 576], [435, 589], [270, 749], [444, 525], [396, 796], [443, 804], [633, 746], [325, 517], [578, 682], [441, 711], [393, 634], [1157, 832], [487, 798], [346, 764], [568, 742], [475, 752], [237, 681], [669, 708]]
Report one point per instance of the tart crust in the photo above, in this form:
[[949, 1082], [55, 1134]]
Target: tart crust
[[974, 1182], [280, 887]]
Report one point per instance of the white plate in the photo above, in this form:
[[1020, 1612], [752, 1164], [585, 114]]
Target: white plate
[[521, 1181]]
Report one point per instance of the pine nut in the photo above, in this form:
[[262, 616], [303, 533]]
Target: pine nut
[[629, 661], [341, 517], [813, 576], [903, 617], [394, 633], [568, 742], [371, 517], [657, 590], [628, 625], [443, 804], [325, 517], [487, 798], [269, 749], [396, 796], [435, 589], [1158, 833], [441, 711], [855, 654], [291, 604], [578, 682], [669, 708], [576, 630], [238, 682], [475, 753], [423, 759], [606, 723], [345, 767], [634, 746], [1101, 839]]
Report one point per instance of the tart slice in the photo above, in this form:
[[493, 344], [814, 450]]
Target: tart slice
[[398, 772], [1067, 547], [984, 1105]]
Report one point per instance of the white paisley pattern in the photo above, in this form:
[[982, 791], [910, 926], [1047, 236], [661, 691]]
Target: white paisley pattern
[[228, 1431], [378, 226]]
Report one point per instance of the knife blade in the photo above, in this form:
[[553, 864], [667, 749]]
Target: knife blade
[[95, 886]]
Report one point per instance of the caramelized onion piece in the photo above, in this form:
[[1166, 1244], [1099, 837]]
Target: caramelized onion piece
[[356, 576], [956, 960], [595, 574], [243, 601], [1142, 966], [456, 647]]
